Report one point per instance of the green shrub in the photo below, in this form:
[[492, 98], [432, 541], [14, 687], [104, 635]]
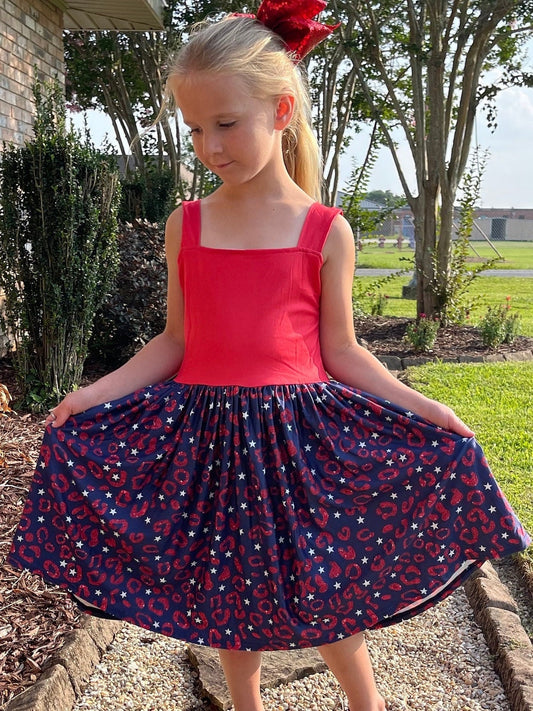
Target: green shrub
[[147, 197], [453, 293], [368, 298], [134, 310], [58, 205], [499, 325], [422, 333], [379, 301]]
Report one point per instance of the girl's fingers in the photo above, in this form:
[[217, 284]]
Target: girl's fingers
[[57, 416], [457, 425]]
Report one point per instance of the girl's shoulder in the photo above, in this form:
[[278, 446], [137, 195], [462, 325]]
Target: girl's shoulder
[[340, 242], [175, 218], [173, 231]]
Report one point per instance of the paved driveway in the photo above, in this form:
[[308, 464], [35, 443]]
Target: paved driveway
[[362, 272]]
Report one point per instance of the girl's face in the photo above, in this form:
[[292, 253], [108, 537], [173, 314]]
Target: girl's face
[[235, 135]]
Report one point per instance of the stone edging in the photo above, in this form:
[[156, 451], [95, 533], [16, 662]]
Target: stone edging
[[495, 611], [69, 669], [396, 363]]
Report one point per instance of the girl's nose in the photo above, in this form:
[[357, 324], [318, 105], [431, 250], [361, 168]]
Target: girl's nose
[[212, 144]]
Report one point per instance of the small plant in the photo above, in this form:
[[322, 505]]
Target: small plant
[[378, 303], [512, 328], [372, 300], [498, 325], [422, 333]]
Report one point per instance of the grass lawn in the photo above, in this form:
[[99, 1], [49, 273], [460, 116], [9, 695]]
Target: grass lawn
[[485, 292], [496, 400], [516, 255]]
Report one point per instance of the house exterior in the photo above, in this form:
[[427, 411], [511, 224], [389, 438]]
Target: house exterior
[[31, 47]]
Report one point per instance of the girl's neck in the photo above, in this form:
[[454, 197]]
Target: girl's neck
[[263, 190], [244, 219]]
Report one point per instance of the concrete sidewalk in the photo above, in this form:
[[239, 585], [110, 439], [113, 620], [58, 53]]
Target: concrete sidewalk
[[363, 272]]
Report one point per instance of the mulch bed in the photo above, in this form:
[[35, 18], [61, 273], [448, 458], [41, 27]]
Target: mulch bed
[[384, 335], [35, 617]]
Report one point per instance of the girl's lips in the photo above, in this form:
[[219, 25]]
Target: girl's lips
[[222, 165]]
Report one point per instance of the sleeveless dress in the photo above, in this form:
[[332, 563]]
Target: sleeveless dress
[[251, 502]]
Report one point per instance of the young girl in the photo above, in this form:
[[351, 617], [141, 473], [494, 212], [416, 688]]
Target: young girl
[[267, 484]]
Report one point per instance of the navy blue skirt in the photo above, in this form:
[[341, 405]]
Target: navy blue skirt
[[260, 518]]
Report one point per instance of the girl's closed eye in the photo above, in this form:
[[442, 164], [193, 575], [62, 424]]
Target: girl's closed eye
[[227, 124]]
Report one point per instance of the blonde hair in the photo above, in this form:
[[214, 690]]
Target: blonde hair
[[244, 47]]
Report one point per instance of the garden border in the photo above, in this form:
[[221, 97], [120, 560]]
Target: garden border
[[397, 364]]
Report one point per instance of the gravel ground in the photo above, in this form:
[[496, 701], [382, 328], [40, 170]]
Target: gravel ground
[[437, 661]]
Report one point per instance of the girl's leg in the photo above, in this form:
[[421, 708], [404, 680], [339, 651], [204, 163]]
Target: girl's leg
[[243, 675], [348, 660]]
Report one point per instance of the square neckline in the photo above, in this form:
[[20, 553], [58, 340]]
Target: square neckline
[[298, 245]]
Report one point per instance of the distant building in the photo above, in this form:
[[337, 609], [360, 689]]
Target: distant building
[[508, 213], [511, 224]]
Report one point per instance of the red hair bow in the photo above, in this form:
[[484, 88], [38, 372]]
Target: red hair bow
[[292, 20]]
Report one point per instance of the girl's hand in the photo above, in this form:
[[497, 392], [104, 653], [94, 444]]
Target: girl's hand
[[73, 403], [445, 417]]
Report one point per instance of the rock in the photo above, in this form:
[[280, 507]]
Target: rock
[[52, 692], [101, 631], [471, 359], [391, 362], [515, 667], [409, 290], [415, 360], [277, 668], [518, 356], [495, 358], [524, 700], [489, 592], [78, 655]]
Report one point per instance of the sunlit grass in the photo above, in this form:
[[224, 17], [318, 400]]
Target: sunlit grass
[[516, 255], [484, 291]]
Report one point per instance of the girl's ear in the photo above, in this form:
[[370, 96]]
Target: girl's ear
[[284, 111]]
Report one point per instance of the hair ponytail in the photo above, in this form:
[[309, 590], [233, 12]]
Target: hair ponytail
[[300, 148]]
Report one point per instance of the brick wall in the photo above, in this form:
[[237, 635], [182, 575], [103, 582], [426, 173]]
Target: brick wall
[[31, 47]]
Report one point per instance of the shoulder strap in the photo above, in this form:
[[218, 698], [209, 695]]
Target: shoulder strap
[[317, 225], [191, 225]]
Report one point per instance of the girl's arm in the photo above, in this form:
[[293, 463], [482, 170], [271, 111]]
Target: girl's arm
[[158, 360], [344, 359]]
